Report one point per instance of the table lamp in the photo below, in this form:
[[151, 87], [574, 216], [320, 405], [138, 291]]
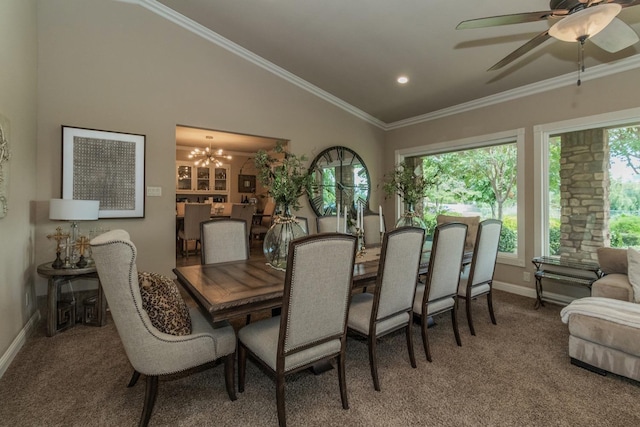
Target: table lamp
[[73, 210]]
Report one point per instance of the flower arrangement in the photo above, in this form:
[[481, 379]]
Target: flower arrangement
[[410, 184], [285, 176]]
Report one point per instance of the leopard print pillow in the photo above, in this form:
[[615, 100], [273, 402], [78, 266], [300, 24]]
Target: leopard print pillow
[[162, 301]]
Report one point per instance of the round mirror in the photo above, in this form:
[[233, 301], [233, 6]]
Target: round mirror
[[341, 179]]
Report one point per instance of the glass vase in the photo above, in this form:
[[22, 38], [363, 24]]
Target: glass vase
[[284, 229], [410, 219]]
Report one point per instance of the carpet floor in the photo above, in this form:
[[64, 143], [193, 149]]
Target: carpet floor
[[515, 373]]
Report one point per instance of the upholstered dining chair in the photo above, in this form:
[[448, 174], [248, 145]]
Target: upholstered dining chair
[[472, 227], [372, 229], [259, 230], [390, 307], [150, 351], [244, 212], [194, 214], [327, 224], [439, 293], [478, 279], [223, 240], [313, 322]]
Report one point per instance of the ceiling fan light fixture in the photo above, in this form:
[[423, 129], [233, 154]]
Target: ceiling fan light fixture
[[585, 23]]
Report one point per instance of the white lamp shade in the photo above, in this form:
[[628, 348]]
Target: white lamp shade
[[585, 23], [74, 210]]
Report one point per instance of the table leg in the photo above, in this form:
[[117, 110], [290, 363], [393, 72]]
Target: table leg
[[539, 303], [52, 307]]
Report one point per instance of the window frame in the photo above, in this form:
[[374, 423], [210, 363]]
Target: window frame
[[541, 134], [509, 136]]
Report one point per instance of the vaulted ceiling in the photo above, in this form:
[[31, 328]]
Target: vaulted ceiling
[[354, 50]]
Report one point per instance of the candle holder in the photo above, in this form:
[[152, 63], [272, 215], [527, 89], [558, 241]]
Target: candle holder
[[360, 248]]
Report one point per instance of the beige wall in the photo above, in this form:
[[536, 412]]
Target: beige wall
[[18, 45], [116, 66], [612, 93]]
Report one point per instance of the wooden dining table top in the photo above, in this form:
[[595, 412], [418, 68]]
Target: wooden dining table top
[[237, 288]]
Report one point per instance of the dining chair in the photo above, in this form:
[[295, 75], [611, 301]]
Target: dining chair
[[223, 240], [194, 214], [259, 230], [327, 224], [478, 279], [244, 212], [372, 229], [472, 227], [313, 322], [390, 307], [150, 351], [439, 293]]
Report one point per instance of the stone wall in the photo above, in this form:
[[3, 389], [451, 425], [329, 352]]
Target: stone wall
[[584, 194]]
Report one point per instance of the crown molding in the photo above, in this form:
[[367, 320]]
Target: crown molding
[[565, 80], [569, 79], [232, 47]]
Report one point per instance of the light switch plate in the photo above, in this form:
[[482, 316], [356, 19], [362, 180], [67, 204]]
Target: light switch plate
[[154, 191]]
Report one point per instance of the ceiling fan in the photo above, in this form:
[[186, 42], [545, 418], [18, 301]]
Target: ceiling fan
[[573, 21]]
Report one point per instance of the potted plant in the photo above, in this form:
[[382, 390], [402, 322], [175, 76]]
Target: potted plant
[[286, 179], [411, 185]]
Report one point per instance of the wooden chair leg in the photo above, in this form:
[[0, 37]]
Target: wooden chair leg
[[242, 365], [343, 381], [229, 362], [151, 391], [425, 339], [412, 356], [372, 362], [282, 416], [134, 378], [454, 320], [490, 304], [469, 319]]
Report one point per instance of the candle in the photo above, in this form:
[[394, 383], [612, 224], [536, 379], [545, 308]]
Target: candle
[[345, 219], [381, 220], [338, 220]]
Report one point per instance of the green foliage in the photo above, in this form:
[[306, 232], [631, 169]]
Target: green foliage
[[509, 235], [285, 176], [554, 237], [624, 143], [408, 183], [625, 231]]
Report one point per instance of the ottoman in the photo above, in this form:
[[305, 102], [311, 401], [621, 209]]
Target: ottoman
[[604, 335]]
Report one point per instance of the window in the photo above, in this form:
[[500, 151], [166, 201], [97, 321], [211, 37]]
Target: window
[[476, 176], [588, 192]]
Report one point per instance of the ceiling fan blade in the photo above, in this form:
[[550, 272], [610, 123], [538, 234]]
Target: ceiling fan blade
[[518, 18], [534, 42], [615, 36], [626, 3]]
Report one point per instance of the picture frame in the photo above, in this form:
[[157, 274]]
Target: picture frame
[[246, 183], [106, 166]]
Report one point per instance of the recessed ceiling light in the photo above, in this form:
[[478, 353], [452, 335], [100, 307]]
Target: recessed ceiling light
[[403, 80]]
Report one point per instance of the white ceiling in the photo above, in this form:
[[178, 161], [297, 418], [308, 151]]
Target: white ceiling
[[355, 49]]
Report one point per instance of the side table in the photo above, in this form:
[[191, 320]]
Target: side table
[[563, 271], [61, 314]]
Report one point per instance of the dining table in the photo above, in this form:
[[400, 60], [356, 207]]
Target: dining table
[[238, 288]]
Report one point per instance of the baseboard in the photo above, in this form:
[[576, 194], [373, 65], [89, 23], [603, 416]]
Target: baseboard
[[18, 342], [531, 293]]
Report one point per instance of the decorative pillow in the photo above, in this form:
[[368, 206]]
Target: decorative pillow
[[634, 272], [162, 301], [612, 260]]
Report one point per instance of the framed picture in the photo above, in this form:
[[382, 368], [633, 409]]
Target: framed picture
[[246, 183], [105, 166]]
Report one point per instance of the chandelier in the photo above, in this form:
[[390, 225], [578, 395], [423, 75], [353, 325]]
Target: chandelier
[[208, 156]]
